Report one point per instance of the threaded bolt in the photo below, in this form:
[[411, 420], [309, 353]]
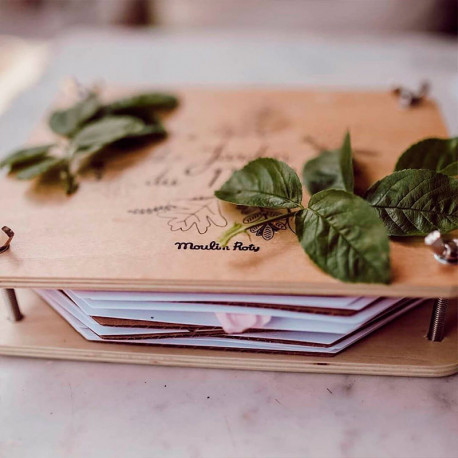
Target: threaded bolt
[[437, 324]]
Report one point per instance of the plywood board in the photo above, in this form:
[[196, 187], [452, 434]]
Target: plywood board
[[399, 348], [124, 231]]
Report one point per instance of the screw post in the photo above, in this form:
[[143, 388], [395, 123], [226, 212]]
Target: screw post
[[437, 324], [445, 249], [12, 305]]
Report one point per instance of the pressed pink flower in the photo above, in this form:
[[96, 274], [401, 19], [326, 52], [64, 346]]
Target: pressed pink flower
[[234, 323]]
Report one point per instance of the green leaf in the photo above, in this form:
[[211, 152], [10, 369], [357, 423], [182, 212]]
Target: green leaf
[[263, 182], [330, 170], [46, 164], [451, 170], [155, 130], [152, 101], [68, 122], [25, 155], [436, 154], [97, 134], [346, 163], [343, 235], [89, 149], [416, 202]]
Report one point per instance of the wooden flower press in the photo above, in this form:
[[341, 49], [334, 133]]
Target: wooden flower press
[[109, 236]]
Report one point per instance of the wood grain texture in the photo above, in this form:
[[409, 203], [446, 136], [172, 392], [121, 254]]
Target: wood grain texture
[[120, 232], [400, 348]]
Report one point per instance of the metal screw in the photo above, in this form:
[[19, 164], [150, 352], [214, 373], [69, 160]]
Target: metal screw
[[445, 249], [10, 235], [437, 324], [9, 295], [446, 252], [12, 306], [409, 98]]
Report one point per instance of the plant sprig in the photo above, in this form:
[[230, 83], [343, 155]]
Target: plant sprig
[[86, 128], [347, 236]]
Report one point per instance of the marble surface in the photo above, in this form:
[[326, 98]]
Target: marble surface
[[68, 409]]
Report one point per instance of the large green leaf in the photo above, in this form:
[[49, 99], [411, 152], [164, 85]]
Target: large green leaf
[[439, 154], [343, 235], [330, 170], [152, 101], [264, 182], [416, 202], [68, 122], [105, 131], [25, 155], [40, 167]]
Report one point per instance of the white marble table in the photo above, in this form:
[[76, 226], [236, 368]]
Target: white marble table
[[68, 409]]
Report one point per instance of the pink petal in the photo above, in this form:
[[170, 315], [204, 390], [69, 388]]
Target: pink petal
[[234, 323]]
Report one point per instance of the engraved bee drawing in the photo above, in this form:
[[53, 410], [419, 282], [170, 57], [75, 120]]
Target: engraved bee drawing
[[264, 229]]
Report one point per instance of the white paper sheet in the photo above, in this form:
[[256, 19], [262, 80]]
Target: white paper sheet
[[225, 342], [203, 314], [66, 304], [120, 299]]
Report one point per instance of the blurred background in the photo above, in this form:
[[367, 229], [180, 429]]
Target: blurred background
[[46, 18], [29, 29]]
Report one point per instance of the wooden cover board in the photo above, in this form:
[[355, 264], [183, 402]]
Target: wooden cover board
[[121, 232], [400, 348]]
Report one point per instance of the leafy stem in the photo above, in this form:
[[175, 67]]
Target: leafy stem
[[342, 233], [88, 127], [71, 184], [69, 179], [238, 228]]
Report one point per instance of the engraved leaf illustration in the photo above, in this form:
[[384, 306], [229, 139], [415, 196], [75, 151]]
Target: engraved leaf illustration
[[194, 213]]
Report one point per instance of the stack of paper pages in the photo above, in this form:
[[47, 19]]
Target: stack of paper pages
[[319, 325]]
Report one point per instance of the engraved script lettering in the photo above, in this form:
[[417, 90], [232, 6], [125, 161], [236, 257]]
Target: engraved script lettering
[[237, 246]]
